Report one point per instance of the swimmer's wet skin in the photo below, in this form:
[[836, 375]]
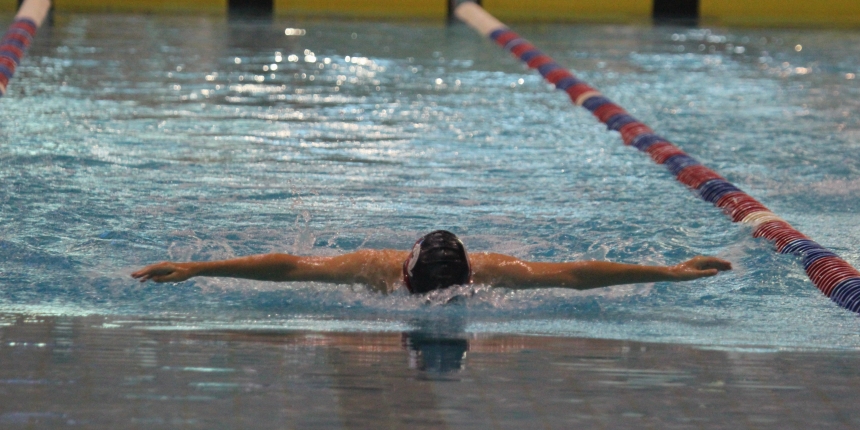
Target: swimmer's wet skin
[[435, 262]]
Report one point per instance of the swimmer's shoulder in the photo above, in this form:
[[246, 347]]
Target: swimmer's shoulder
[[493, 268], [379, 269]]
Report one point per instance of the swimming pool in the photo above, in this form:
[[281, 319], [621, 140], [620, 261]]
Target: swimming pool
[[133, 139]]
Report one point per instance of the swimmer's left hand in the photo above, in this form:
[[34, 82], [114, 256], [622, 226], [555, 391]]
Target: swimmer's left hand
[[164, 272], [699, 267]]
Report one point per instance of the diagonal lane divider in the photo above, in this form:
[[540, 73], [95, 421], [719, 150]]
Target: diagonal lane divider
[[837, 279], [18, 37]]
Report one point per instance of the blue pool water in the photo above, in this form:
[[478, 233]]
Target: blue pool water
[[127, 140]]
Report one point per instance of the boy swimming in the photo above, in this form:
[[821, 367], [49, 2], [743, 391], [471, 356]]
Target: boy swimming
[[436, 261]]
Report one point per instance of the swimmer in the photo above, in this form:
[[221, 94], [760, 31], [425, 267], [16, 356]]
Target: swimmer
[[436, 261]]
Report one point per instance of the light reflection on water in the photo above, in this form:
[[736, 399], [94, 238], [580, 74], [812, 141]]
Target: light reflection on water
[[100, 372], [131, 139]]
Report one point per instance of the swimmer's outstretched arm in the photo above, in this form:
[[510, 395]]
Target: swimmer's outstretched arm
[[506, 271], [378, 268]]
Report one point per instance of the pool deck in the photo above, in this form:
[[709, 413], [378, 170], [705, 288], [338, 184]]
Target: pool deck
[[761, 13], [99, 372]]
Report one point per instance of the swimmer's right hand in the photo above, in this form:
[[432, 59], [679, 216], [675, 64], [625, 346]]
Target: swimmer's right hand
[[165, 272]]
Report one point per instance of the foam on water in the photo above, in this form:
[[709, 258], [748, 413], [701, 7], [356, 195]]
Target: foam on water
[[130, 140]]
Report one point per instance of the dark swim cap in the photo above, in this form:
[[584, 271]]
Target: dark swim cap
[[438, 260]]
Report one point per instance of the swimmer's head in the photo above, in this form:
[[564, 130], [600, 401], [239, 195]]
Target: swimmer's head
[[438, 260]]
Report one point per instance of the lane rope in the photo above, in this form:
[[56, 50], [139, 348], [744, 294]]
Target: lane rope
[[18, 37], [837, 279]]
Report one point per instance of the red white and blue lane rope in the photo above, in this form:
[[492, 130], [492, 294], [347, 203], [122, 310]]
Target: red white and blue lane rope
[[832, 275], [18, 38]]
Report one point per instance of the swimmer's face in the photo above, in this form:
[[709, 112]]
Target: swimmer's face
[[437, 260]]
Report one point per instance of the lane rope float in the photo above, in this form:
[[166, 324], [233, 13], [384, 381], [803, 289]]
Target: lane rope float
[[837, 279], [18, 37]]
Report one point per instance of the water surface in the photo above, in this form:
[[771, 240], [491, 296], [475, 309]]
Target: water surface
[[128, 140]]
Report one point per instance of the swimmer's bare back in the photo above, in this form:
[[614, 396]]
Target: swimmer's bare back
[[381, 270]]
